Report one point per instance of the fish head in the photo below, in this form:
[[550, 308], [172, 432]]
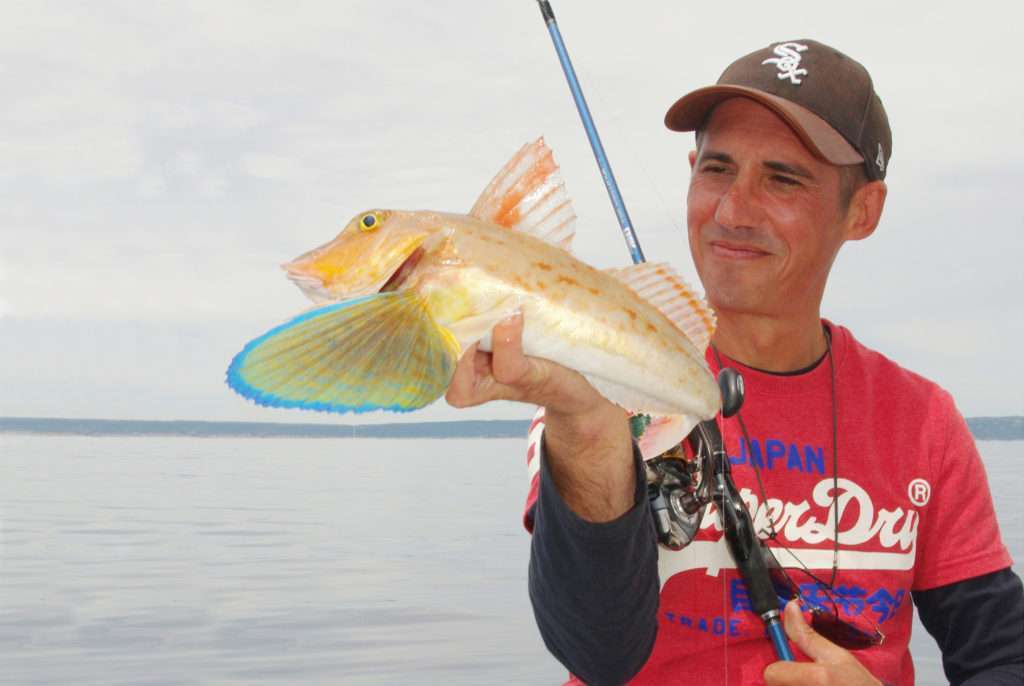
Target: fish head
[[375, 251]]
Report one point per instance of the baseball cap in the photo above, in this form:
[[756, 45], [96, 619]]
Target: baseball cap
[[827, 98]]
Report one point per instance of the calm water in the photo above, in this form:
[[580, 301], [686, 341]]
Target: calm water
[[283, 561]]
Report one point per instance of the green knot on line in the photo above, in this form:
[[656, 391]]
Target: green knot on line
[[638, 423]]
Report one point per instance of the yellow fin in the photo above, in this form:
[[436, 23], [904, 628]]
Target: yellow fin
[[661, 286], [383, 351], [528, 195]]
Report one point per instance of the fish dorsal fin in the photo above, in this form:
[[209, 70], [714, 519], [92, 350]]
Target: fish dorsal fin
[[661, 286], [528, 195]]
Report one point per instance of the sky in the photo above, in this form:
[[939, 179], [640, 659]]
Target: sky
[[158, 161]]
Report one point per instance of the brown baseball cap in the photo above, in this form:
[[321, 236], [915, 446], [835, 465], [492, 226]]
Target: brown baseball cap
[[827, 98]]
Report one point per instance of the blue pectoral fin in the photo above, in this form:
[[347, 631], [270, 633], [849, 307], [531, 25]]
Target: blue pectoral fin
[[384, 351]]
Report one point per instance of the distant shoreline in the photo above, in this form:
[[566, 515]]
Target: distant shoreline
[[59, 426], [983, 428]]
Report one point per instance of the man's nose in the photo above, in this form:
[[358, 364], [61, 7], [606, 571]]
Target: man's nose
[[739, 205]]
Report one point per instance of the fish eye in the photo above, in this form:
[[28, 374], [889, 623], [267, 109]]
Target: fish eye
[[370, 221]]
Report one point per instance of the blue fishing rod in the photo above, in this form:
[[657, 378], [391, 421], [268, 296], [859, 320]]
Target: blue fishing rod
[[595, 140], [738, 527]]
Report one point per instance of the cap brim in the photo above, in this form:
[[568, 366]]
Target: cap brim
[[690, 111]]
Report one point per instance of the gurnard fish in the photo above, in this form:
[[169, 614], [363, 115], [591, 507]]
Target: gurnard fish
[[401, 294]]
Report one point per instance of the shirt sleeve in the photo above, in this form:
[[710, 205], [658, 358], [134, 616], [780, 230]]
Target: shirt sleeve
[[594, 586], [979, 626], [959, 536], [533, 467]]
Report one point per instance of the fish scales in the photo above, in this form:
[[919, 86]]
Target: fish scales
[[573, 314]]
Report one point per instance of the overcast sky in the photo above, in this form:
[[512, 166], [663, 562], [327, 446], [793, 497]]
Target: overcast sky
[[159, 161]]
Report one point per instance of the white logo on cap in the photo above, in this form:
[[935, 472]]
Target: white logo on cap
[[788, 61], [880, 159]]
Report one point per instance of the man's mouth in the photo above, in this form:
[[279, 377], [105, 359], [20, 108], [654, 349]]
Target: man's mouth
[[736, 251]]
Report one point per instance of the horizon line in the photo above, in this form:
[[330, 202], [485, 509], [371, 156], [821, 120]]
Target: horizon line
[[1009, 427]]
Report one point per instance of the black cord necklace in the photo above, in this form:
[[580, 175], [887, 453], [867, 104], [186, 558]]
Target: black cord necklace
[[772, 533]]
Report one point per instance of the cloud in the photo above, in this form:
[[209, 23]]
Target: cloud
[[5, 307], [81, 153], [274, 167], [157, 165]]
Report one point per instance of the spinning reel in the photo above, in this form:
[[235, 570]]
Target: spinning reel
[[682, 482]]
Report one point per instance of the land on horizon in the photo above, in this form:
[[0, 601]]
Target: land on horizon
[[1009, 428]]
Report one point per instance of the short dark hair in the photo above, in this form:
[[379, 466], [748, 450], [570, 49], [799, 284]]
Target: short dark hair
[[851, 178]]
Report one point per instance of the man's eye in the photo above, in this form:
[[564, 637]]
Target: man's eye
[[713, 168], [786, 180]]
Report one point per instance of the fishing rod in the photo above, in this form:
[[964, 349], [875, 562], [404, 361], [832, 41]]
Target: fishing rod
[[595, 140], [676, 498]]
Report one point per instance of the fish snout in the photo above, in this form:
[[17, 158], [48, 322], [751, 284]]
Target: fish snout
[[309, 280]]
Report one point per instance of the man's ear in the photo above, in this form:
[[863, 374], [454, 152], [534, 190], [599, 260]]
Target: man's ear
[[865, 210], [693, 158]]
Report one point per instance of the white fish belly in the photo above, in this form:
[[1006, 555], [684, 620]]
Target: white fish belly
[[636, 373]]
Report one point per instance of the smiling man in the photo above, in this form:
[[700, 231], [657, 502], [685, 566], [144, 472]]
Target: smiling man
[[862, 474]]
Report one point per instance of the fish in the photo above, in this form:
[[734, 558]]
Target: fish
[[399, 295]]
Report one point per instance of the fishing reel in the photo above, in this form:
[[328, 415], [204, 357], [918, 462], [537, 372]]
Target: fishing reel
[[681, 481]]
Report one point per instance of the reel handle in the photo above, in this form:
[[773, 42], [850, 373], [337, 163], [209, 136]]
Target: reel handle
[[730, 383]]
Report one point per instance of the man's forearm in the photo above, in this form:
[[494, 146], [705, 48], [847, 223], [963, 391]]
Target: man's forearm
[[590, 461], [594, 586]]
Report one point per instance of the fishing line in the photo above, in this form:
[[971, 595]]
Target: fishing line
[[625, 223], [834, 507], [757, 470], [738, 525], [670, 218]]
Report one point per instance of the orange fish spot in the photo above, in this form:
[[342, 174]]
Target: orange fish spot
[[631, 313], [568, 281], [508, 211], [543, 265], [594, 291], [651, 328]]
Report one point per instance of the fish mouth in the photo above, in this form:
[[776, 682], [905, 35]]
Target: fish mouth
[[310, 285], [313, 286], [401, 275]]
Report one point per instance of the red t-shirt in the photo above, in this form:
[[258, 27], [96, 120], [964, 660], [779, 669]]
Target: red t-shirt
[[915, 513]]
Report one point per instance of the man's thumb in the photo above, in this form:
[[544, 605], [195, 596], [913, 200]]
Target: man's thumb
[[809, 641]]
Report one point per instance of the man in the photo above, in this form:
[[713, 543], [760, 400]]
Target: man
[[792, 150]]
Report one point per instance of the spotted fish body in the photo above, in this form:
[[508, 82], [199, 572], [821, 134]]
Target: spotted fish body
[[404, 293]]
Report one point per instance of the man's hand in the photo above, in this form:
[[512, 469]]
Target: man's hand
[[832, 664], [507, 374], [587, 437]]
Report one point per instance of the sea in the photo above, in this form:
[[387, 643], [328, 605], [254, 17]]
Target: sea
[[166, 561]]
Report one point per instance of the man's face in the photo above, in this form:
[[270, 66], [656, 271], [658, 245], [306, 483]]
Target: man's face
[[764, 215]]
